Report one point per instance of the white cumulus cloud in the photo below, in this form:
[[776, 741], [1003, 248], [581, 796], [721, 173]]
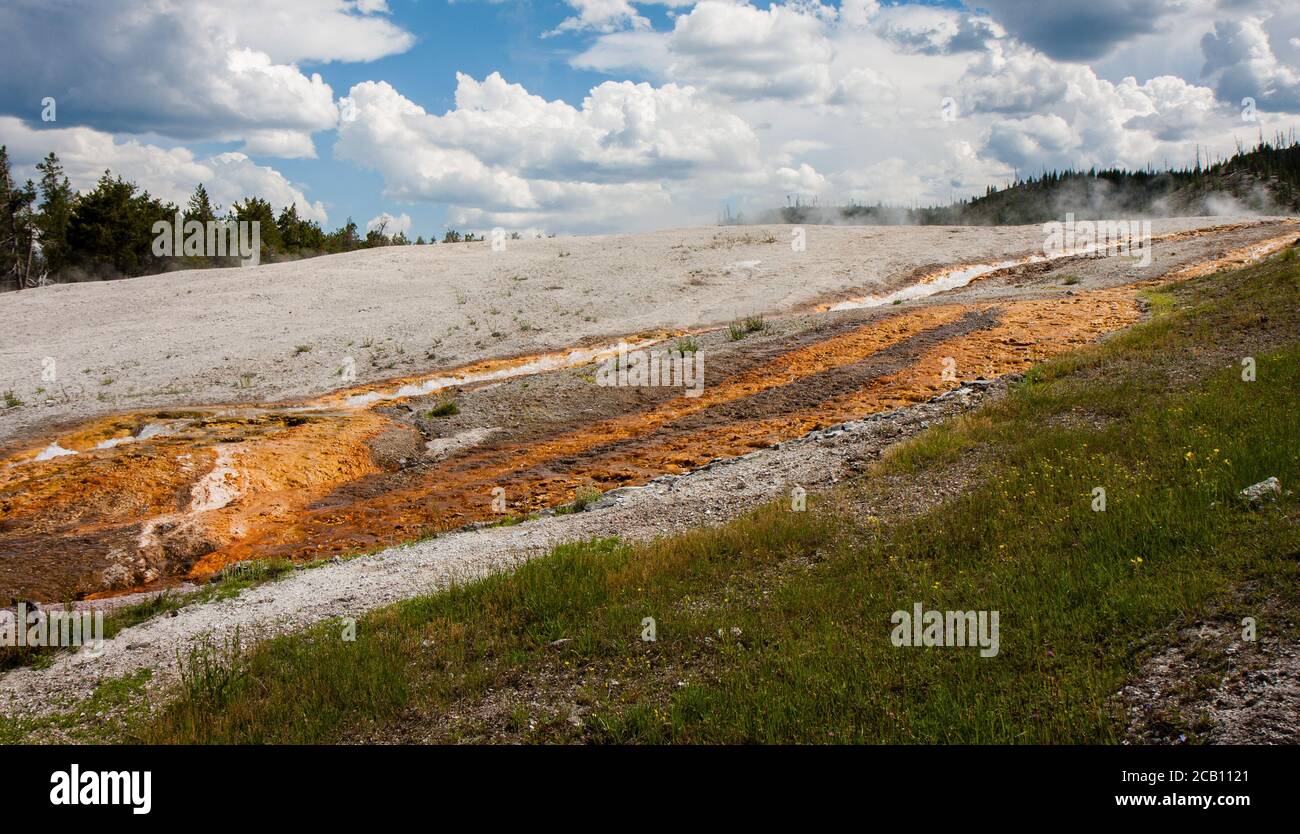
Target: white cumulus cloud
[[505, 156], [167, 173], [188, 69]]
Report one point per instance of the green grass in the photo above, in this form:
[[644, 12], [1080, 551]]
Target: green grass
[[775, 627], [117, 704], [446, 408], [1161, 303], [11, 399], [740, 329]]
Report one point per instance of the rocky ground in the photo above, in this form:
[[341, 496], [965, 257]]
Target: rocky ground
[[717, 478], [672, 503], [285, 330]]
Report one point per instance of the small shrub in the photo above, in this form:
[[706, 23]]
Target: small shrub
[[583, 498], [446, 408]]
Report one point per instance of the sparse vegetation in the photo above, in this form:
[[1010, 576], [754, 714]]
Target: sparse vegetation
[[775, 627], [583, 499], [445, 408], [739, 330], [233, 579]]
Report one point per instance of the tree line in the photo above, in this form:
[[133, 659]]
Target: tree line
[[50, 233], [1264, 179]]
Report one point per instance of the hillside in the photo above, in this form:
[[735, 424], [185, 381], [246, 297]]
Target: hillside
[[1264, 180], [768, 623]]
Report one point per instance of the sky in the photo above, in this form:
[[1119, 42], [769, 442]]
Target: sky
[[597, 116]]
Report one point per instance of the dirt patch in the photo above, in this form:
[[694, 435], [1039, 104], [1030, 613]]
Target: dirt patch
[[1217, 682]]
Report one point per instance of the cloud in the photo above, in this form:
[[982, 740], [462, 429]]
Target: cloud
[[1033, 98], [736, 50], [286, 144], [1078, 31], [863, 86], [1240, 63], [191, 70], [858, 13], [1011, 79], [602, 16], [390, 224], [1021, 141], [930, 31], [801, 180], [167, 173], [608, 15], [867, 82], [780, 52], [504, 156], [1173, 109]]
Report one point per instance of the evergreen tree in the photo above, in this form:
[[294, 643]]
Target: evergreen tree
[[55, 214], [298, 236], [17, 226], [200, 207], [344, 239], [111, 228], [255, 209]]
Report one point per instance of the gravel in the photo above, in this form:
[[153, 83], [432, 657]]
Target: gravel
[[669, 504]]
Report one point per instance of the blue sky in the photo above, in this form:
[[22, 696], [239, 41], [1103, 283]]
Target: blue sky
[[472, 37], [608, 115]]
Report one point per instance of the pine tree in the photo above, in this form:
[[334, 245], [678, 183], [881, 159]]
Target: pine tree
[[200, 207], [345, 238], [17, 227], [255, 209], [55, 214], [111, 229]]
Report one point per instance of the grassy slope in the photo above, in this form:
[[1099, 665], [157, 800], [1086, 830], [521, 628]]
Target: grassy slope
[[775, 628]]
